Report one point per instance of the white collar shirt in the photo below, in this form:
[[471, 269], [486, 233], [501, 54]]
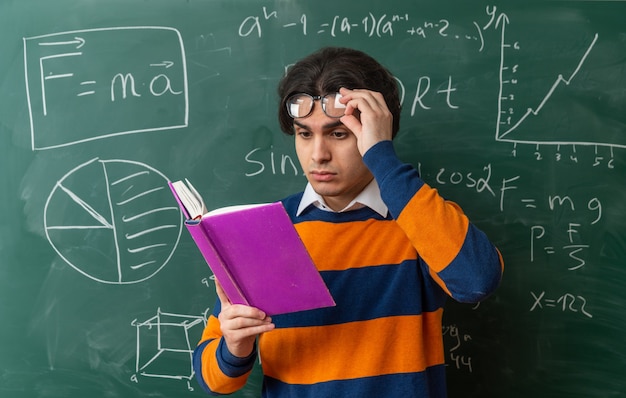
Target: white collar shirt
[[369, 196]]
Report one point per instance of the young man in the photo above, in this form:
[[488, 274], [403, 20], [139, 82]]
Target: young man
[[388, 246]]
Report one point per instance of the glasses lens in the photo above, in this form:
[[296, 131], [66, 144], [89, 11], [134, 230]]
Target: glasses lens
[[331, 105], [299, 105]]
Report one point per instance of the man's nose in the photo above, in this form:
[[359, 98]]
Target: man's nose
[[321, 152]]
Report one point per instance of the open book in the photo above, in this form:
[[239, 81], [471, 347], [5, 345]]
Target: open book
[[255, 253]]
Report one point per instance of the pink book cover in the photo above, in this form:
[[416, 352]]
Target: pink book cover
[[257, 256]]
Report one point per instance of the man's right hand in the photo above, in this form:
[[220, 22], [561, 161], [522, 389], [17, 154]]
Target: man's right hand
[[241, 324]]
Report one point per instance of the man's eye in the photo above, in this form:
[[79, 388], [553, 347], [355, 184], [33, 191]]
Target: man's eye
[[339, 134], [304, 134]]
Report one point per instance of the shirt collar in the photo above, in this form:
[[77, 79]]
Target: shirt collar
[[369, 196]]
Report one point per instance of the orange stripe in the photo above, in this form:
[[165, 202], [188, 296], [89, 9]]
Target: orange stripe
[[212, 329], [501, 260], [211, 374], [358, 349], [438, 243], [363, 251]]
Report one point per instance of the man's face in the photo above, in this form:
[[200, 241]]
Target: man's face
[[328, 154]]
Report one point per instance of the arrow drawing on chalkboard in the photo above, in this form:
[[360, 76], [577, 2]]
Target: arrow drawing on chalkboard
[[167, 64], [79, 41]]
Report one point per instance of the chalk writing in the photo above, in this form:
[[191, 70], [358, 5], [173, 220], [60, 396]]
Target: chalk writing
[[465, 178], [552, 202], [454, 341], [282, 164], [574, 248], [566, 303], [367, 24], [126, 81], [423, 88]]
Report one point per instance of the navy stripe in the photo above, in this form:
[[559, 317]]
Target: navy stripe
[[398, 181], [237, 366], [231, 365], [466, 275], [431, 383], [370, 293], [292, 202], [197, 366]]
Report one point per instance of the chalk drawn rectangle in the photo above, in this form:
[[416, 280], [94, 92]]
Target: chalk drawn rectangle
[[92, 84]]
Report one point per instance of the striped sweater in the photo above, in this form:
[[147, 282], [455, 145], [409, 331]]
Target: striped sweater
[[389, 277]]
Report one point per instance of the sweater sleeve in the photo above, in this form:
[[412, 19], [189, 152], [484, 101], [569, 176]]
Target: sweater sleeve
[[217, 370], [457, 255]]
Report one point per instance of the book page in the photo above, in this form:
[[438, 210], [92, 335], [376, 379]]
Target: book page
[[232, 209]]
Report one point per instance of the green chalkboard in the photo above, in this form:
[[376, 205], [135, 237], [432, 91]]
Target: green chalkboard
[[515, 110]]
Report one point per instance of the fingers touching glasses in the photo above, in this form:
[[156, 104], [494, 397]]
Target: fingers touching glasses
[[301, 105]]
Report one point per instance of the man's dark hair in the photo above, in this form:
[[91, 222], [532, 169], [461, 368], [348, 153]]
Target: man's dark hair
[[330, 68]]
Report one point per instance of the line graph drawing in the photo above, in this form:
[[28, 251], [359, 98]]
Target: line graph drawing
[[104, 82], [113, 220], [568, 126], [165, 344], [530, 111]]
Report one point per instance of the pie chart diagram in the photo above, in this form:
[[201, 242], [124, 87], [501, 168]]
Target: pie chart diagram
[[114, 221]]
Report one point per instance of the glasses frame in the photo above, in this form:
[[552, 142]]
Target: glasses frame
[[323, 101]]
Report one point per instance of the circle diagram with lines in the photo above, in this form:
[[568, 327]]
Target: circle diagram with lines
[[114, 221]]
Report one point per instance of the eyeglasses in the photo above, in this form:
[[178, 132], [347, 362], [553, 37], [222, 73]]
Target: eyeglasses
[[301, 105]]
